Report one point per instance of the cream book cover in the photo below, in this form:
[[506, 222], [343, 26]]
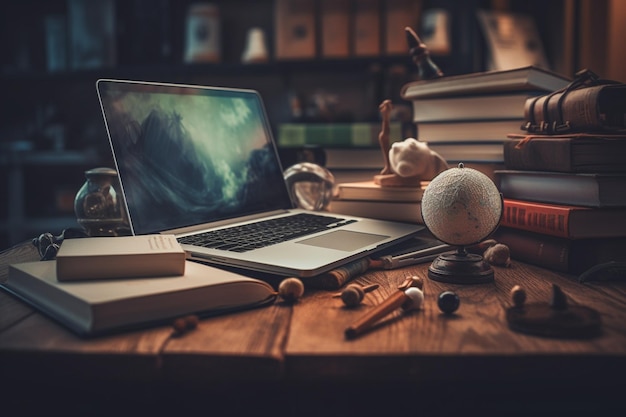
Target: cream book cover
[[99, 306], [120, 257]]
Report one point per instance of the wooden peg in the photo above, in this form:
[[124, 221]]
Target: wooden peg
[[409, 299]]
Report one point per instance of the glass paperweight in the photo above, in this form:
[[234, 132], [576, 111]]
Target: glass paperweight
[[310, 186]]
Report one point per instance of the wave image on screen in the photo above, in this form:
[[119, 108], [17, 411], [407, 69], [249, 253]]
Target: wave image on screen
[[185, 159]]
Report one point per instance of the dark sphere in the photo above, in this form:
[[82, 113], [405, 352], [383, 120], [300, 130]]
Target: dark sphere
[[448, 302]]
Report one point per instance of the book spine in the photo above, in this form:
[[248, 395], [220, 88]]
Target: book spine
[[539, 218], [545, 251], [334, 134], [540, 155]]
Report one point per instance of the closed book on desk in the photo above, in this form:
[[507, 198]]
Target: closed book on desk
[[408, 212], [472, 107], [120, 257], [572, 222], [572, 256], [566, 153], [472, 131], [593, 108], [369, 190], [101, 306], [577, 189], [519, 79]]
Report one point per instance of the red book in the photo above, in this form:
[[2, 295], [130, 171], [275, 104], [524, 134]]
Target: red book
[[572, 222]]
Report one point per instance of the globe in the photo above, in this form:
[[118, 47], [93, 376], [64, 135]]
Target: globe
[[461, 206]]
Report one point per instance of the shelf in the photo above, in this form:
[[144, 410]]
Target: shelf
[[286, 67]]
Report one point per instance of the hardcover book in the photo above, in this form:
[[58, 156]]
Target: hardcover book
[[577, 189], [408, 212], [474, 131], [465, 108], [95, 307], [572, 222], [572, 256], [519, 79], [566, 153], [369, 190], [588, 109], [295, 29], [335, 27], [366, 27], [120, 257]]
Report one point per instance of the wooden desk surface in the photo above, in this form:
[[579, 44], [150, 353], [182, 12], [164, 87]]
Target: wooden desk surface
[[300, 351]]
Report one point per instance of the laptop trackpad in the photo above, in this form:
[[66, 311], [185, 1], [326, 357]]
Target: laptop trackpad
[[343, 240]]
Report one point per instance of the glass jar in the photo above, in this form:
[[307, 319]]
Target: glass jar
[[99, 204]]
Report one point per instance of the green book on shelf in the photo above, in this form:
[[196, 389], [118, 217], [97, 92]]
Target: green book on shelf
[[361, 134]]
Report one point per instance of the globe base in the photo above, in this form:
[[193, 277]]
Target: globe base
[[460, 267]]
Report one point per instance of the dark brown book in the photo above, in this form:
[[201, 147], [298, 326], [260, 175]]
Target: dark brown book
[[576, 189], [580, 152], [595, 108], [572, 256]]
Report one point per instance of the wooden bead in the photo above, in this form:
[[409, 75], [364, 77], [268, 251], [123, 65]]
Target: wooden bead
[[352, 295], [291, 289], [518, 296]]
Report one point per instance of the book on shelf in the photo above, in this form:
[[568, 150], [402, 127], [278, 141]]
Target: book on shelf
[[401, 211], [481, 107], [486, 152], [366, 28], [586, 109], [572, 222], [102, 306], [573, 256], [577, 189], [295, 29], [472, 131], [575, 152], [357, 134], [369, 190], [335, 27], [120, 257], [528, 78]]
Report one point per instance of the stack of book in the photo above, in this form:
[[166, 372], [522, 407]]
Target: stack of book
[[368, 199], [466, 118], [564, 200]]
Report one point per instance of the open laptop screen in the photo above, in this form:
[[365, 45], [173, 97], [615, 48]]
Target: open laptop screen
[[189, 155]]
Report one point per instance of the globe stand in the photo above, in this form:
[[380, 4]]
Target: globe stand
[[460, 267]]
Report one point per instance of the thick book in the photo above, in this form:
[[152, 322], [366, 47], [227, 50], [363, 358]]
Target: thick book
[[519, 79], [478, 107], [369, 190], [401, 211], [96, 307], [573, 256], [572, 222], [593, 108], [489, 152], [120, 257], [580, 152], [577, 189], [473, 131]]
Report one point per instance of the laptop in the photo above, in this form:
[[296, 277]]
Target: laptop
[[197, 161]]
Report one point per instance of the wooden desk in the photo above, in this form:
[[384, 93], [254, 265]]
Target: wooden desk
[[294, 360]]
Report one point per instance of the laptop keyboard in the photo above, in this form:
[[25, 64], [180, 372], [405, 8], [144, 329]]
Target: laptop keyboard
[[264, 233]]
